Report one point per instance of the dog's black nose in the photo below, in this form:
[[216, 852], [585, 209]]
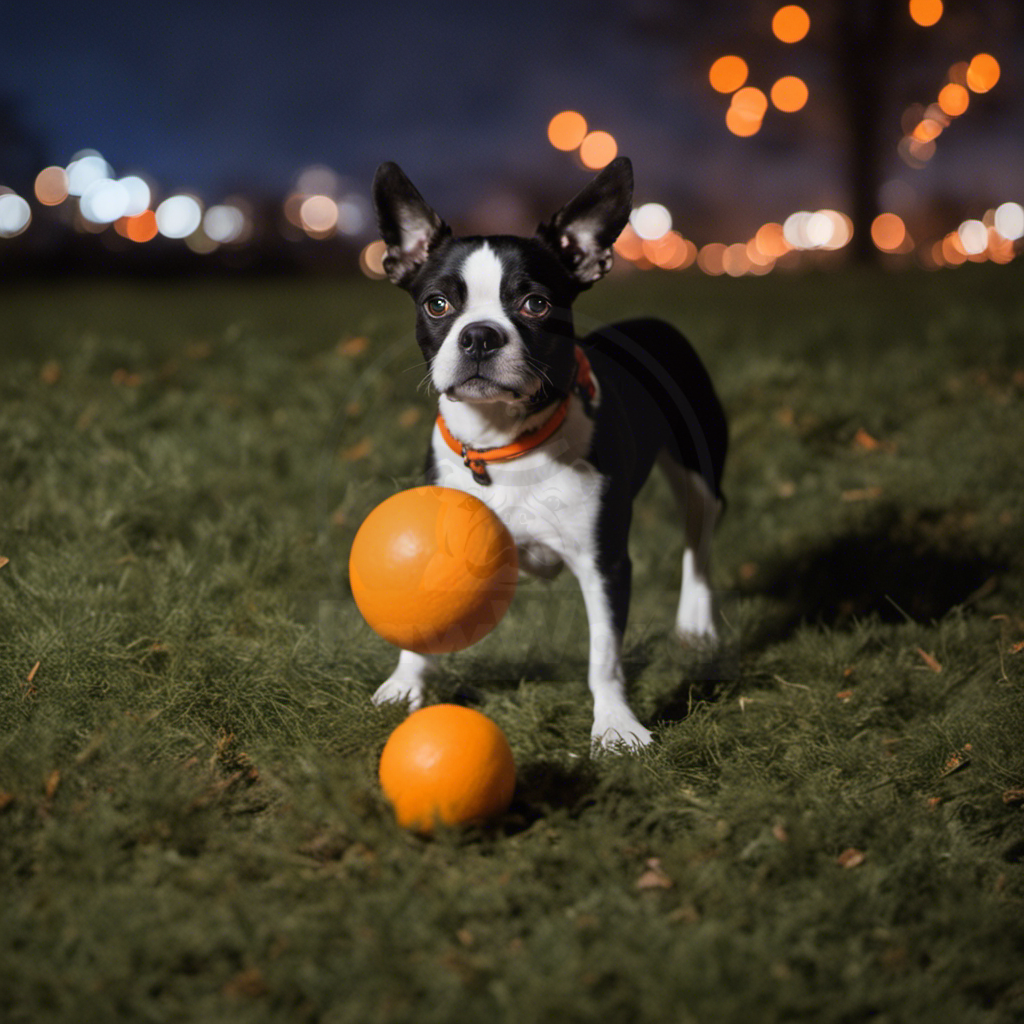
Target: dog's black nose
[[480, 340]]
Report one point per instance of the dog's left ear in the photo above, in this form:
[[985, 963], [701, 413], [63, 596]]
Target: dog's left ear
[[408, 226], [582, 232]]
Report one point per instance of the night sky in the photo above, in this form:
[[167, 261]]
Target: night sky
[[216, 97]]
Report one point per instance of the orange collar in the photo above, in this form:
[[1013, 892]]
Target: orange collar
[[476, 459]]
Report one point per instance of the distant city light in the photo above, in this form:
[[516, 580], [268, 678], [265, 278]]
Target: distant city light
[[982, 73], [353, 214], [789, 94], [888, 232], [15, 215], [371, 259], [711, 259], [598, 150], [178, 216], [629, 245], [925, 12], [1009, 221], [51, 186], [651, 221], [728, 73], [319, 215], [86, 168], [140, 228], [224, 223], [319, 179], [973, 237], [954, 99], [770, 240], [139, 194], [104, 201], [747, 111], [790, 24], [567, 130]]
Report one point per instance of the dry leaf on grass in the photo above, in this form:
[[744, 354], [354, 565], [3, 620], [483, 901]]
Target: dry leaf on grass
[[930, 660], [851, 858], [654, 877]]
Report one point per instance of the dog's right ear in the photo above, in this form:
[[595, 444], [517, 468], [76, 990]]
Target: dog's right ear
[[409, 228]]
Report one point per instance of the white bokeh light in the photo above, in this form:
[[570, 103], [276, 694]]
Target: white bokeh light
[[139, 194], [178, 216], [104, 201], [651, 221], [224, 223], [1009, 221], [15, 215], [86, 169], [973, 237]]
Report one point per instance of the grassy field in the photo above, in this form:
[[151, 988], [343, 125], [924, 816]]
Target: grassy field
[[828, 827]]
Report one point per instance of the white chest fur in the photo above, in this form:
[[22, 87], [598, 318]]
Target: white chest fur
[[548, 498]]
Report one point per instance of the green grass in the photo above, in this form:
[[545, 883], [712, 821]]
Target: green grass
[[191, 828]]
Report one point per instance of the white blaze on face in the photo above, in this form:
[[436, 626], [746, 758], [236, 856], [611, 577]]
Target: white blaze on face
[[482, 272]]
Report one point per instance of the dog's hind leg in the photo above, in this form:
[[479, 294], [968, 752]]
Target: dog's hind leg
[[699, 508]]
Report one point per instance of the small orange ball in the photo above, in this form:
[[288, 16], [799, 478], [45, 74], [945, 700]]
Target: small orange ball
[[448, 764], [433, 569]]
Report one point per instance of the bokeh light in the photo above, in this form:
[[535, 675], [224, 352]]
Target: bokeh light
[[51, 186], [371, 259], [15, 215], [791, 23], [651, 221], [179, 216], [597, 150], [983, 73], [86, 168], [1009, 221], [319, 216], [711, 259], [771, 240], [140, 228], [789, 94], [888, 232], [224, 223], [728, 73], [139, 194], [925, 12], [973, 237], [953, 99], [629, 245], [566, 130], [104, 201]]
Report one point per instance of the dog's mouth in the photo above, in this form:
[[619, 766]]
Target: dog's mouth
[[478, 388]]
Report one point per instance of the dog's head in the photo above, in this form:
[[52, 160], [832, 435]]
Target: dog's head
[[494, 315]]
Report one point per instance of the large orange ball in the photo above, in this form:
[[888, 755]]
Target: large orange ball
[[433, 569], [447, 764]]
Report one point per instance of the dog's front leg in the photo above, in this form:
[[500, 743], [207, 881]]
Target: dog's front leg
[[406, 682], [615, 725]]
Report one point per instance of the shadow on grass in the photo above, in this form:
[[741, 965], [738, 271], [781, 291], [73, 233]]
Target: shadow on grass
[[900, 567]]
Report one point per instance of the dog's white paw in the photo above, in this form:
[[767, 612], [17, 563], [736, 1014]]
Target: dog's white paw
[[695, 620], [399, 688], [617, 730]]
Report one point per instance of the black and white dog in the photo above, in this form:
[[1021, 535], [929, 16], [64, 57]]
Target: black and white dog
[[556, 434]]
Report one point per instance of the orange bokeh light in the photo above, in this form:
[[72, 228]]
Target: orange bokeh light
[[751, 101], [742, 122], [727, 74], [771, 241], [51, 186], [983, 72], [789, 94], [597, 150], [790, 24], [926, 12], [888, 231], [953, 99], [567, 130], [141, 228], [927, 130], [629, 245]]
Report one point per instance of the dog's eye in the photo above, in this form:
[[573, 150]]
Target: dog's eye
[[437, 305], [535, 305]]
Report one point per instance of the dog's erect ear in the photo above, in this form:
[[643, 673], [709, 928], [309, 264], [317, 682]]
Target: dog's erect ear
[[582, 232], [409, 227]]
